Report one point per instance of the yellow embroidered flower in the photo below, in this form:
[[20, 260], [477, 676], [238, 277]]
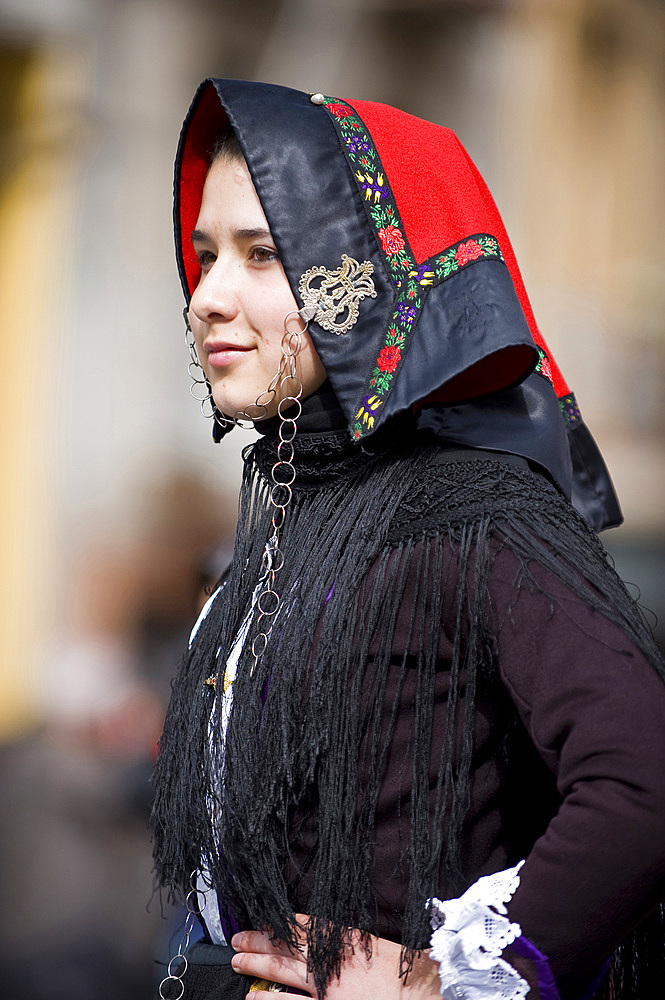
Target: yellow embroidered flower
[[372, 188], [422, 277], [369, 406]]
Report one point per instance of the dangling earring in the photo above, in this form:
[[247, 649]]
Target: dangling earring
[[198, 377]]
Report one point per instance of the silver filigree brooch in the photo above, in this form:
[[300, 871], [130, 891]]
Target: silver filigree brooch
[[331, 298]]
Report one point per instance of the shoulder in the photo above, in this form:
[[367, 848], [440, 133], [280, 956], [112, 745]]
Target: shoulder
[[460, 487], [509, 529]]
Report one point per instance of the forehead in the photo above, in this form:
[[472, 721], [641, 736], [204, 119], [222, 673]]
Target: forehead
[[228, 196]]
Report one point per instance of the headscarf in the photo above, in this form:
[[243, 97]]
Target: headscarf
[[385, 218]]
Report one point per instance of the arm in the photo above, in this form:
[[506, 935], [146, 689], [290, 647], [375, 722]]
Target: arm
[[595, 710]]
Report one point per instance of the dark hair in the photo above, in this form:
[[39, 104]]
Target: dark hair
[[226, 147]]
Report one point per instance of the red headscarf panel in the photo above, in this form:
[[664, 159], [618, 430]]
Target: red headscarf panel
[[209, 121], [446, 175]]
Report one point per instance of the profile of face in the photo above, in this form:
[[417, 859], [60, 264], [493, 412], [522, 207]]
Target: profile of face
[[238, 308]]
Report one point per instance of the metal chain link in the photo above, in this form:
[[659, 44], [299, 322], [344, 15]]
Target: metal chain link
[[198, 377]]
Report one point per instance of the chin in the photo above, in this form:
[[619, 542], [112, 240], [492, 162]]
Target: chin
[[230, 406], [229, 403]]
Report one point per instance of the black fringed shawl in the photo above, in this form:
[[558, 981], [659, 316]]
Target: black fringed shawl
[[361, 520]]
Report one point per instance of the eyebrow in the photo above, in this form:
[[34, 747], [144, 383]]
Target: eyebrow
[[199, 236]]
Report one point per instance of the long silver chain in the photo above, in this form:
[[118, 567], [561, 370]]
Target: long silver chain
[[179, 964], [282, 474]]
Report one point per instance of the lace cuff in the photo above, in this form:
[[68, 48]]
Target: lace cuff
[[469, 935]]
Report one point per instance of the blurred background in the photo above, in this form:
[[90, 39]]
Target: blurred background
[[112, 495]]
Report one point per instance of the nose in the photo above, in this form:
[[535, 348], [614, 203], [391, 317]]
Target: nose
[[215, 298]]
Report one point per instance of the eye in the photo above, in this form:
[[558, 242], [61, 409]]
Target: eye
[[263, 255], [206, 259]]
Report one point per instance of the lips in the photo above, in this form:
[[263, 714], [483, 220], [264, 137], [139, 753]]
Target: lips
[[220, 353]]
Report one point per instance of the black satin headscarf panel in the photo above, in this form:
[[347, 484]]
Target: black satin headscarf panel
[[315, 214], [463, 320]]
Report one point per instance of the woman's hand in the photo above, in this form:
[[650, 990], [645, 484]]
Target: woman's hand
[[376, 978]]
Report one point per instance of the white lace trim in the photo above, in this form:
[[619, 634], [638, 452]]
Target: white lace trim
[[469, 934], [209, 908]]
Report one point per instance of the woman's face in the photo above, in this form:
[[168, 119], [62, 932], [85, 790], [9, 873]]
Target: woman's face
[[238, 309]]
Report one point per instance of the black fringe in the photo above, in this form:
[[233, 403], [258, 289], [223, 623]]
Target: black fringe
[[358, 523], [637, 969]]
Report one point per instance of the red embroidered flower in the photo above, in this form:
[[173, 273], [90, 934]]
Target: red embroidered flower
[[544, 368], [357, 435], [388, 359], [392, 240], [340, 110], [471, 250]]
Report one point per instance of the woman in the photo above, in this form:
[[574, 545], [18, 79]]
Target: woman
[[419, 670]]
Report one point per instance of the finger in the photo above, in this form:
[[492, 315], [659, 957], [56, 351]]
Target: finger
[[273, 994], [273, 967], [303, 921], [261, 943]]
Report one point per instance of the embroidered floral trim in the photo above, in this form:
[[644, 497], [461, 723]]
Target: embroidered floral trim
[[469, 935], [465, 252], [570, 410], [412, 281], [543, 365], [409, 303]]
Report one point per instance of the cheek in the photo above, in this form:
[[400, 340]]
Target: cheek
[[275, 303], [269, 316]]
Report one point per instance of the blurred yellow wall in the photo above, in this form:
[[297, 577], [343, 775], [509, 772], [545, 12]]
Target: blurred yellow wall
[[36, 204]]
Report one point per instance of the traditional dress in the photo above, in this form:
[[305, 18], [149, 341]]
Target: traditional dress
[[453, 736]]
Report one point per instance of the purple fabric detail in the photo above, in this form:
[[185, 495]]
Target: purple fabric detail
[[330, 593], [546, 984], [228, 920]]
